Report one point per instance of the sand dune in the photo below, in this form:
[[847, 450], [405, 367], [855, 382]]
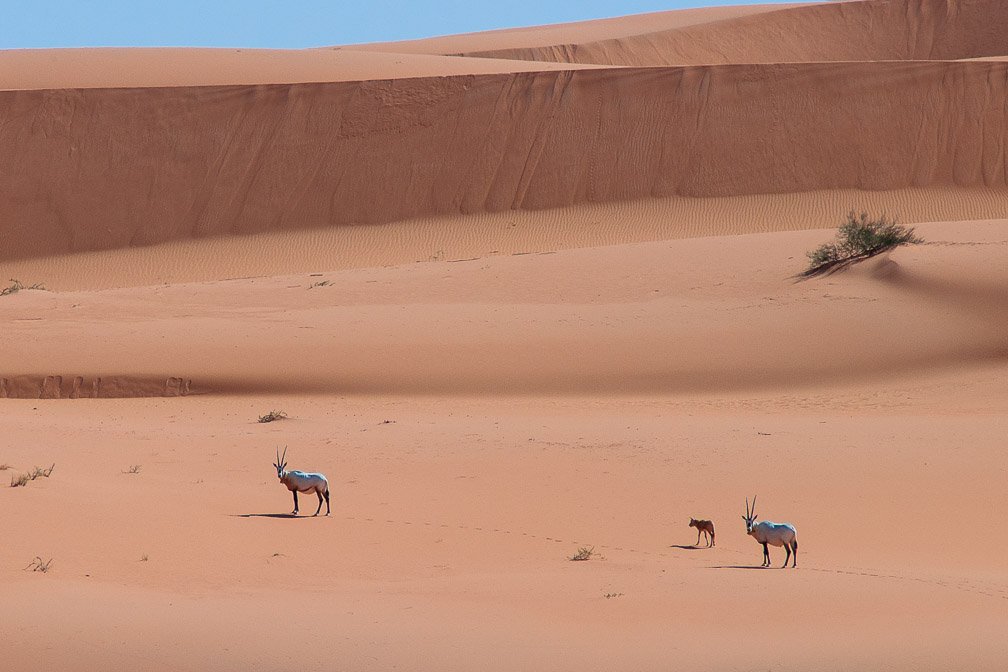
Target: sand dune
[[619, 27], [512, 307], [832, 31], [116, 68], [114, 168], [462, 238], [488, 326]]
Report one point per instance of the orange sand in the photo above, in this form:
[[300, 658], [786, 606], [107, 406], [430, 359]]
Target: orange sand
[[511, 308]]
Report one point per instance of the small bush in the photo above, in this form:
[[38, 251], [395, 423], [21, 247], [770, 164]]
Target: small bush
[[39, 565], [134, 469], [23, 479], [583, 553], [859, 237], [272, 415], [17, 286], [39, 471]]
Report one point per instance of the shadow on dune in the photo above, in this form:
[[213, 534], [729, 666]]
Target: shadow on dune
[[690, 547], [267, 515], [986, 297]]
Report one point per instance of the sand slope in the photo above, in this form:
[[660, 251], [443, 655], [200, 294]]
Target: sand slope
[[109, 168], [512, 307], [832, 31], [111, 148], [492, 326]]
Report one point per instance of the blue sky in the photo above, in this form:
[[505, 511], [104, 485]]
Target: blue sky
[[290, 24]]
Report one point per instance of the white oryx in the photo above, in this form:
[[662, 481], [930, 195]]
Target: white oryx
[[299, 481], [778, 534]]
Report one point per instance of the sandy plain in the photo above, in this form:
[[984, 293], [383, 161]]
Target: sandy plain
[[543, 309]]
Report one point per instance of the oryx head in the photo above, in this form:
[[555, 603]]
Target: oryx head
[[281, 463], [750, 517]]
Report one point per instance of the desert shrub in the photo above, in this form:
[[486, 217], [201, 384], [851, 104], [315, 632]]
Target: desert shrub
[[39, 565], [24, 479], [857, 238], [272, 415], [39, 471], [17, 286], [583, 553]]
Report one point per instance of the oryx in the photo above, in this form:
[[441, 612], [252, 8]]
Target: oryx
[[704, 526], [778, 534], [299, 481]]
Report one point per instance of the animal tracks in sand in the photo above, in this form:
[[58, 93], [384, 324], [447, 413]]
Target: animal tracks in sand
[[476, 529], [987, 589], [982, 588]]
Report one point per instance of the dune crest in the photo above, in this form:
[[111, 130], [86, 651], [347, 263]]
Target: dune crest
[[872, 30]]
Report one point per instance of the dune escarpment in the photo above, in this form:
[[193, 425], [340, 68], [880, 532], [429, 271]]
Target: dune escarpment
[[92, 387], [91, 169], [830, 31]]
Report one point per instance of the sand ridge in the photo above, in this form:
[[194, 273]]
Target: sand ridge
[[486, 326], [115, 168], [832, 31], [110, 67]]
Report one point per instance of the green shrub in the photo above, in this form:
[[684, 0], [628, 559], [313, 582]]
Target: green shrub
[[859, 237]]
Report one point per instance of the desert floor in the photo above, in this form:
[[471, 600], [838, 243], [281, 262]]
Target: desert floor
[[866, 408]]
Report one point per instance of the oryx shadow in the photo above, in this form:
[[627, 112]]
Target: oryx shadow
[[691, 547], [742, 567], [268, 515]]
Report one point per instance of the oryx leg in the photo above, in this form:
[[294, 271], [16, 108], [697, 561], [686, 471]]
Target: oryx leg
[[698, 532], [794, 563], [319, 504], [295, 511], [766, 555], [787, 547], [326, 493]]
